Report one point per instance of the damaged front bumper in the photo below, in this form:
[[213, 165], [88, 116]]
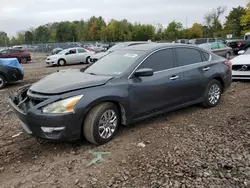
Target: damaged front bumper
[[27, 106]]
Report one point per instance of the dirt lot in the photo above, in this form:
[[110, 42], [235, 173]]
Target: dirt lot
[[192, 147]]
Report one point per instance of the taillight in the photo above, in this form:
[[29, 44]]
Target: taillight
[[239, 44], [228, 64]]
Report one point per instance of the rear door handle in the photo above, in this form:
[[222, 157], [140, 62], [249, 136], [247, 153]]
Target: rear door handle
[[174, 77], [206, 68]]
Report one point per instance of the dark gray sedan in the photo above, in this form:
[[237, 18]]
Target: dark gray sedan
[[218, 48], [123, 87]]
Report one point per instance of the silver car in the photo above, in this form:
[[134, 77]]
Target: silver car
[[218, 48]]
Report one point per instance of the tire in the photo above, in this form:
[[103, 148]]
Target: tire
[[214, 89], [88, 60], [2, 82], [228, 55], [61, 62], [23, 60], [91, 127]]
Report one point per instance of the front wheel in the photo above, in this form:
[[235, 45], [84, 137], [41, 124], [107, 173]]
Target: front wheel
[[61, 62], [2, 82], [212, 94], [101, 123]]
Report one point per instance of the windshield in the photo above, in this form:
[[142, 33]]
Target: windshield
[[247, 52], [117, 46], [115, 63], [63, 51]]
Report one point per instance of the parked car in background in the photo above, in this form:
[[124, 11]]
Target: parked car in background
[[128, 85], [23, 56], [218, 48], [10, 71], [205, 40], [241, 65], [70, 56], [56, 51], [238, 45], [181, 41], [99, 55]]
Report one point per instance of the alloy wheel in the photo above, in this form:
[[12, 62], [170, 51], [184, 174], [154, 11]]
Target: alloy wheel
[[214, 94], [107, 124]]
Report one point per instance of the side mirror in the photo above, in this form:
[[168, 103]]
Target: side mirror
[[241, 52], [144, 72]]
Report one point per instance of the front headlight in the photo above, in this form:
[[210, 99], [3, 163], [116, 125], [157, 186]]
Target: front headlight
[[63, 106]]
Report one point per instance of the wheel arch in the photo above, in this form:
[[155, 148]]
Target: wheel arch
[[61, 59], [115, 100], [218, 78]]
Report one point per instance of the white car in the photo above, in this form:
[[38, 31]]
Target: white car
[[70, 56], [241, 65]]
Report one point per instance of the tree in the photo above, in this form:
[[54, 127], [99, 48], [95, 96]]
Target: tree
[[173, 31], [28, 37], [212, 21], [196, 31], [233, 25], [245, 20], [42, 34], [20, 39], [4, 39], [159, 32]]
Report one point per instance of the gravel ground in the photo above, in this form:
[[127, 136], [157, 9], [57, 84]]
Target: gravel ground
[[192, 147]]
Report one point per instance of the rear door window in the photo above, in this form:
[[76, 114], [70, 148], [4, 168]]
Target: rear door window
[[81, 50], [221, 45], [160, 60], [187, 56], [214, 46]]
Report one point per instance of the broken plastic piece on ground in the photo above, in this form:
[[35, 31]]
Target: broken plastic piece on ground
[[141, 145], [98, 157], [16, 135]]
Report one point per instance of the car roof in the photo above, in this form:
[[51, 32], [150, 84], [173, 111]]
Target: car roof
[[155, 46]]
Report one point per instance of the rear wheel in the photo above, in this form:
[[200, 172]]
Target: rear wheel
[[212, 94], [61, 62], [2, 82], [228, 55], [101, 123], [24, 60]]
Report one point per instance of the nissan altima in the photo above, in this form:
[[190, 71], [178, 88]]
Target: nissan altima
[[126, 86]]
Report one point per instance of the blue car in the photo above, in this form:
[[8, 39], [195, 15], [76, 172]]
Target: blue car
[[10, 71]]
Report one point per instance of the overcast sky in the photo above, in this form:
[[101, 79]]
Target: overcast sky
[[16, 15]]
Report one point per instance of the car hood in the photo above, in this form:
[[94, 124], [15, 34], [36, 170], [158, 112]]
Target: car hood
[[99, 55], [241, 59], [53, 56], [68, 80]]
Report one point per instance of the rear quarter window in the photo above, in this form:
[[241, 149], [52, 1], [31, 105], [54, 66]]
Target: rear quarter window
[[206, 55]]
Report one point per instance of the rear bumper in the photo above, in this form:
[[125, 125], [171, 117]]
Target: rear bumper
[[46, 126]]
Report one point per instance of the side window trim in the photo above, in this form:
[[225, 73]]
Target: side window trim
[[130, 75]]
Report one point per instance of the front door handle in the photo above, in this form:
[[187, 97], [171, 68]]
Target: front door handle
[[174, 77], [206, 68]]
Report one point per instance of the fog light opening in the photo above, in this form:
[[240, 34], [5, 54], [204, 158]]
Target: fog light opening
[[52, 129]]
